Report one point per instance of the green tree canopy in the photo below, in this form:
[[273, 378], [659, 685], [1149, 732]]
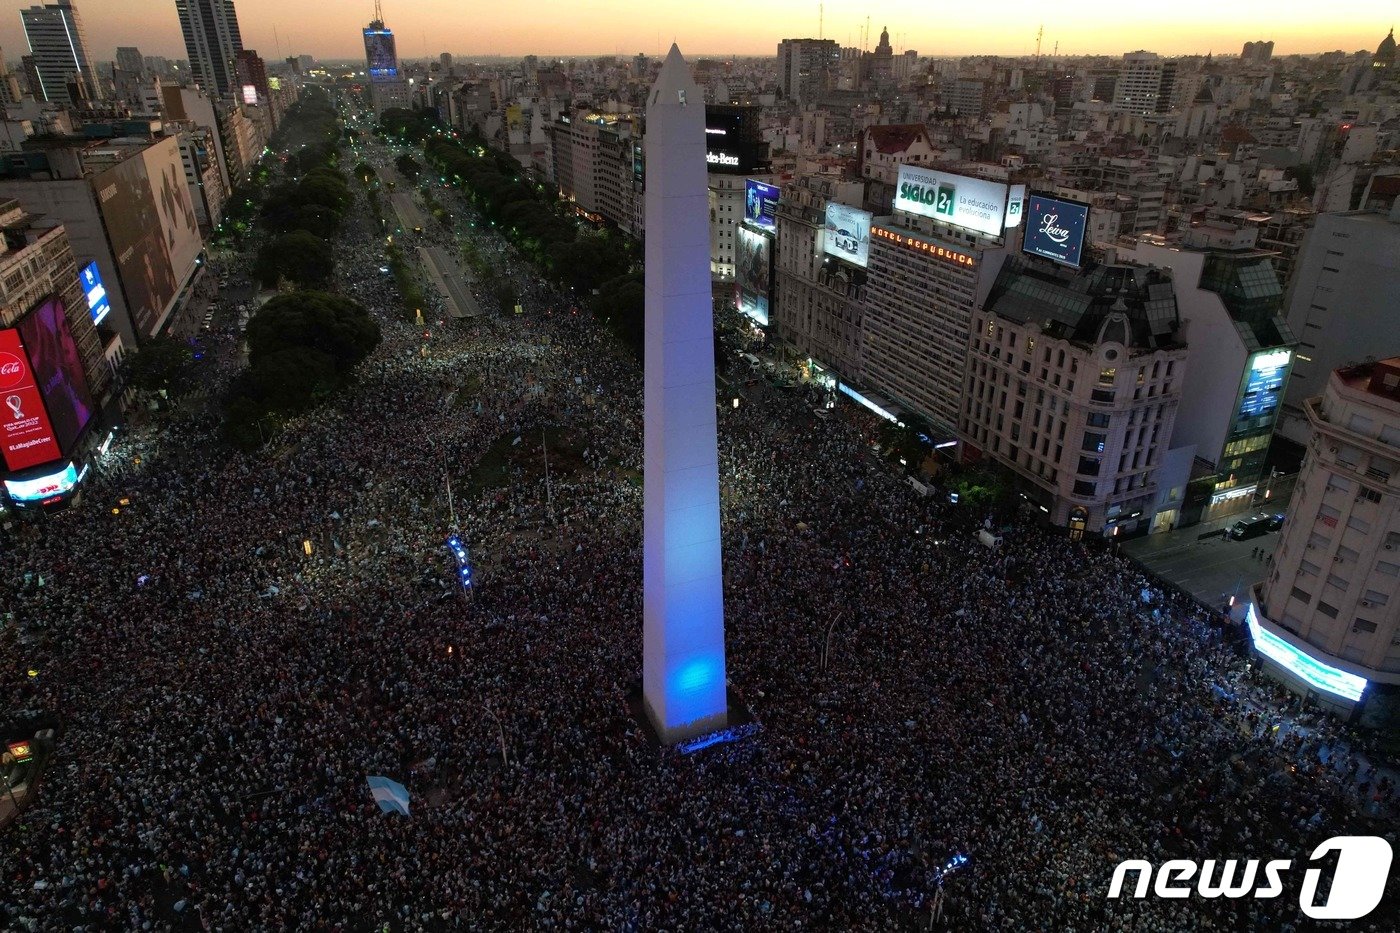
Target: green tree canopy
[[300, 256], [162, 363], [312, 320]]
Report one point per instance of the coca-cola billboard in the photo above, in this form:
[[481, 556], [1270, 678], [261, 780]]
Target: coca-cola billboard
[[26, 436]]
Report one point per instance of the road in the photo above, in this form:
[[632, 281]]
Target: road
[[1211, 569], [446, 274], [410, 217]]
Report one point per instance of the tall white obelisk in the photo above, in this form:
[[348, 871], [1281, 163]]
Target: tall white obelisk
[[683, 672]]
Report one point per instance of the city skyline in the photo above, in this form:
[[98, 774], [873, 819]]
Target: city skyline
[[426, 28]]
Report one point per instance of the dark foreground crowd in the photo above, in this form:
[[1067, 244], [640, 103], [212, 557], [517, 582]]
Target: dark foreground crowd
[[1041, 709]]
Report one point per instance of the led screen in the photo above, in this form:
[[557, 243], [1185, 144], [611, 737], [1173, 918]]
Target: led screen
[[99, 305], [58, 483], [847, 234], [1055, 229], [1015, 206], [755, 306], [761, 204], [25, 432], [752, 262], [971, 203], [58, 371]]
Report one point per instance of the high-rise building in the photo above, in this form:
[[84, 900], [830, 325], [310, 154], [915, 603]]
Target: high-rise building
[[129, 60], [251, 73], [1240, 356], [1145, 85], [1258, 52], [381, 56], [1073, 381], [1342, 303], [807, 67], [1326, 620], [10, 90], [61, 61], [212, 42], [387, 89]]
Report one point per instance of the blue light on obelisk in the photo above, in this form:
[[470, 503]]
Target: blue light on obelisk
[[683, 675]]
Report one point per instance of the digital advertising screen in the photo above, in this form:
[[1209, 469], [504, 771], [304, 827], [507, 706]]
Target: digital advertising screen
[[970, 203], [754, 306], [250, 94], [1055, 229], [58, 370], [26, 436], [752, 260], [1015, 206], [761, 204], [133, 225], [847, 233], [178, 222], [99, 305], [58, 483]]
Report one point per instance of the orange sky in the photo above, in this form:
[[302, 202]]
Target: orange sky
[[329, 28]]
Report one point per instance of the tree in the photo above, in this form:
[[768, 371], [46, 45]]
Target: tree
[[293, 379], [311, 320], [161, 364], [301, 256], [365, 173], [408, 167]]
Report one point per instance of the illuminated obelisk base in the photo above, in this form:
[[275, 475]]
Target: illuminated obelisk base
[[683, 667]]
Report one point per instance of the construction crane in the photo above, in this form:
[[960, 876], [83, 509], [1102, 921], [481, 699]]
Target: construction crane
[[1039, 34]]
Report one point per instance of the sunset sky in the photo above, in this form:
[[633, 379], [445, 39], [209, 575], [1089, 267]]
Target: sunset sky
[[330, 29]]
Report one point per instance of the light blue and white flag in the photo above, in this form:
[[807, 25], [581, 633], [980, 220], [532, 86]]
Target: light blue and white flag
[[391, 796]]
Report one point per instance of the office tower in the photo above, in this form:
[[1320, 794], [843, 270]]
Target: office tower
[[129, 60], [1325, 619], [251, 75], [61, 61], [381, 56], [806, 67], [683, 665], [212, 42], [10, 91], [1145, 85]]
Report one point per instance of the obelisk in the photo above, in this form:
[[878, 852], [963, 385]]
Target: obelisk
[[683, 672]]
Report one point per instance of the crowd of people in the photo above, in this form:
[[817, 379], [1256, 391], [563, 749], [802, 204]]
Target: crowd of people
[[1042, 710]]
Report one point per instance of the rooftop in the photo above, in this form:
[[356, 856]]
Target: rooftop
[[1374, 377]]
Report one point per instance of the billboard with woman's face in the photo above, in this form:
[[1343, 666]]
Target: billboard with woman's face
[[58, 370]]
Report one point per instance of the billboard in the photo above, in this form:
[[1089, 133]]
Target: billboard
[[1055, 229], [151, 224], [971, 203], [761, 204], [59, 483], [752, 266], [847, 234], [99, 305], [26, 436], [1015, 205], [58, 370], [250, 94]]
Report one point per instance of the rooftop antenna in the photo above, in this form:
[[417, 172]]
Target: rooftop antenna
[[378, 13]]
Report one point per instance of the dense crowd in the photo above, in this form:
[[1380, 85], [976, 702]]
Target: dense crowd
[[1042, 709]]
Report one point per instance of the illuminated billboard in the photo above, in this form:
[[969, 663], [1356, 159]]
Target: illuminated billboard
[[761, 204], [58, 370], [26, 436], [847, 234], [58, 483], [99, 305], [250, 94], [1015, 205], [151, 223], [1310, 670], [1055, 229], [752, 268], [970, 203]]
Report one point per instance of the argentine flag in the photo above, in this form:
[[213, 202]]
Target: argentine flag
[[391, 796]]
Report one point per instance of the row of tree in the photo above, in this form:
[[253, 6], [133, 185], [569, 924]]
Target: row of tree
[[303, 345]]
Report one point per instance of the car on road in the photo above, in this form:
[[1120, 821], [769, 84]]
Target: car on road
[[1254, 526]]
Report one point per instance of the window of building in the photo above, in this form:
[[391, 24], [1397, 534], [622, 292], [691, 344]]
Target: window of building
[[1338, 582], [1363, 626], [1376, 598], [1327, 609], [1098, 419], [1387, 568], [1093, 442], [1304, 595], [1308, 567], [1089, 466], [1083, 488], [1345, 553], [1358, 524], [1107, 375]]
